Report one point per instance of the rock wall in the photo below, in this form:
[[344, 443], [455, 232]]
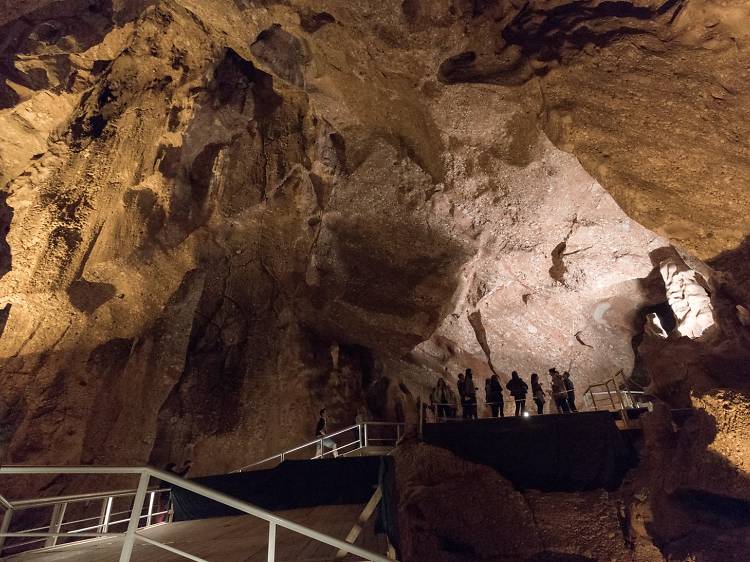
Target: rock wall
[[451, 510], [219, 216]]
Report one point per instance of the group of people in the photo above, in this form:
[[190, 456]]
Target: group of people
[[445, 404]]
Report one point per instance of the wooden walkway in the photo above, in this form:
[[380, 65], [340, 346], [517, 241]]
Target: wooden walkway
[[227, 539]]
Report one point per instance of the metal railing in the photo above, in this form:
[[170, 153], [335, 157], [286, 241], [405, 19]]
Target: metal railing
[[156, 512], [613, 394], [354, 437], [131, 534]]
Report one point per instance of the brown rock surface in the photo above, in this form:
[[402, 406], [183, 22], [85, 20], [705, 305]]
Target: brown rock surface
[[451, 510], [220, 215]]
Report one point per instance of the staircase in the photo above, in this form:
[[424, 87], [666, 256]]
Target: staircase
[[225, 539], [614, 395], [136, 524], [366, 438]]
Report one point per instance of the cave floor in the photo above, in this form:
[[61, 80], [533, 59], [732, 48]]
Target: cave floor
[[229, 539]]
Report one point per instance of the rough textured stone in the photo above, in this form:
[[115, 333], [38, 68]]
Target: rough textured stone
[[451, 510], [218, 216]]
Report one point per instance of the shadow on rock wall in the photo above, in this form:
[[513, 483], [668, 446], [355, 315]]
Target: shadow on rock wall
[[691, 493]]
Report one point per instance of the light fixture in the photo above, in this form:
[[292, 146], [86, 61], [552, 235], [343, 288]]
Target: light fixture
[[526, 414]]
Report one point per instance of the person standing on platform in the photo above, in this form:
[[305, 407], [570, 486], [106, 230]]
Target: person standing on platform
[[538, 393], [493, 392], [441, 400], [470, 392], [320, 431], [570, 391], [461, 394], [559, 393], [518, 390]]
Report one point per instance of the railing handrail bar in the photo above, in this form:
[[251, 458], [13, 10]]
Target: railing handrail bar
[[317, 440], [623, 391], [297, 448], [5, 503], [41, 502], [203, 491]]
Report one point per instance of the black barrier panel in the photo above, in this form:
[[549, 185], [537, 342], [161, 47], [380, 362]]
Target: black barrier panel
[[565, 453], [291, 485]]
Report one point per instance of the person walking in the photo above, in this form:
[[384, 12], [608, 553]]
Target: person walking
[[470, 392], [538, 393], [518, 390], [493, 392], [570, 391], [441, 400], [559, 393], [320, 431]]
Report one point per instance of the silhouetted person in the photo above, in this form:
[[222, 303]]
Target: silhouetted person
[[518, 390], [442, 399], [493, 391], [320, 430], [462, 395], [181, 471], [538, 393], [570, 391], [559, 393], [470, 392], [163, 500]]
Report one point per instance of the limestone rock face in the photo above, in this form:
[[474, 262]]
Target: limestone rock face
[[687, 298], [218, 216], [453, 510], [647, 94]]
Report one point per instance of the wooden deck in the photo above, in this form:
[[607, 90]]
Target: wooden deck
[[226, 539]]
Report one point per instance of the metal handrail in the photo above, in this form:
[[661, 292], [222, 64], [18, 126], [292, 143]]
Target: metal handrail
[[615, 391], [60, 504], [363, 441], [41, 502], [145, 473]]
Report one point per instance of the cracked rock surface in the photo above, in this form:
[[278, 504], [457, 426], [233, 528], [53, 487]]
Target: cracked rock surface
[[218, 216]]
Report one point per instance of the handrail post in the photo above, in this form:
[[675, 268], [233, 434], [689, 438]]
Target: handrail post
[[151, 498], [609, 393], [271, 541], [365, 434], [104, 517], [4, 526], [55, 522], [135, 517], [398, 432]]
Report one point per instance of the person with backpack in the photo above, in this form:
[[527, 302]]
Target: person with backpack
[[559, 393], [538, 393], [518, 390], [493, 392], [470, 393]]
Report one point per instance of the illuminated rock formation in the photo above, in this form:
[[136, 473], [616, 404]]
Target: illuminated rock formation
[[220, 215]]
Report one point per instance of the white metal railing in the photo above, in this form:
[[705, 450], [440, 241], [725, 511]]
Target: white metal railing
[[78, 529], [614, 396], [139, 502], [354, 437]]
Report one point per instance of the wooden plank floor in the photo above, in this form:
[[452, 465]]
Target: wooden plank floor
[[226, 539]]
